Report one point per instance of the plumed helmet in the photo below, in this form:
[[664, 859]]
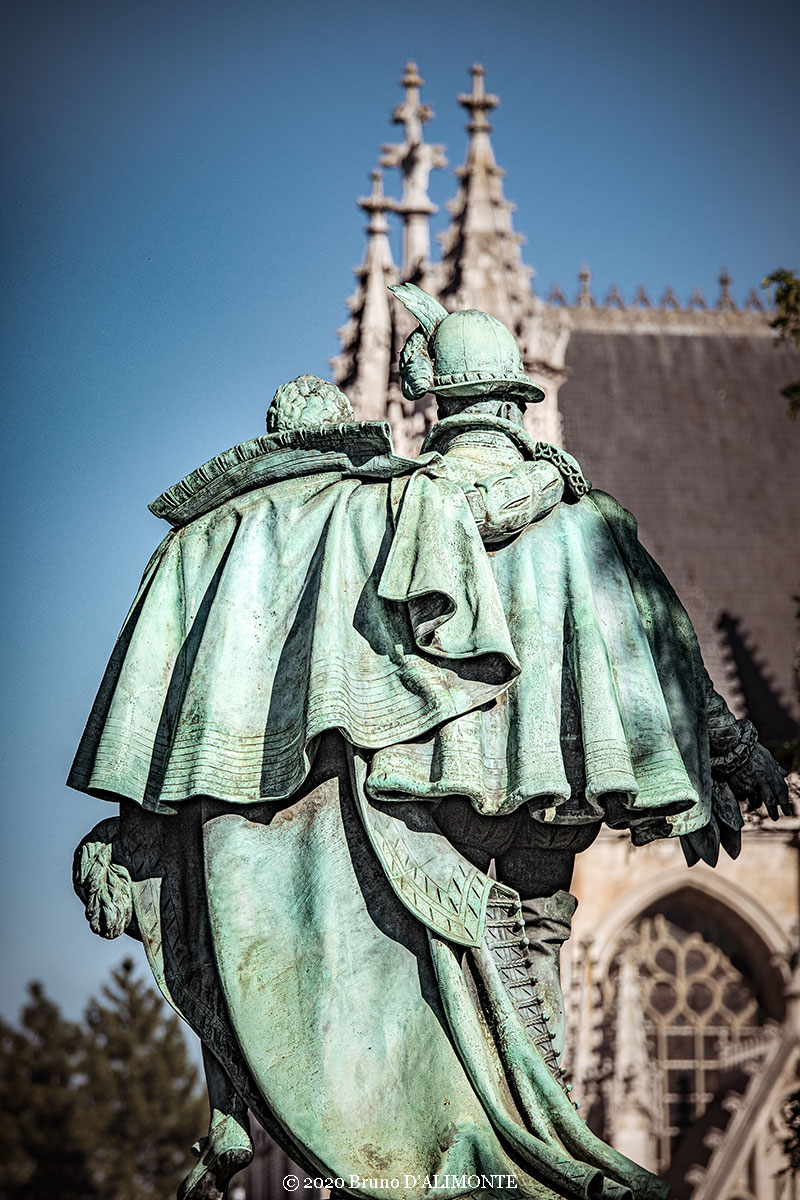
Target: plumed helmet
[[465, 353]]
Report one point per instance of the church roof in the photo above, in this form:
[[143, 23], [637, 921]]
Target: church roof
[[690, 433]]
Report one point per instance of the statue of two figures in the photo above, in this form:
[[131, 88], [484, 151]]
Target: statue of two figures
[[349, 681]]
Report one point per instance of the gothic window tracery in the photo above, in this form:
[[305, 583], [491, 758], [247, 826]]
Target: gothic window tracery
[[695, 1005]]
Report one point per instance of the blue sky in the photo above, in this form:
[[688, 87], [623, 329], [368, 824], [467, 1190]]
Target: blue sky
[[179, 237]]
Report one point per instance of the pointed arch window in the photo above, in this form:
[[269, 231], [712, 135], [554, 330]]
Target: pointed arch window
[[697, 1006]]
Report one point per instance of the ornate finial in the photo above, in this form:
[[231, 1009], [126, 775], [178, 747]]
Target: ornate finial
[[669, 300], [556, 296], [641, 299], [416, 159], [585, 297], [478, 103], [753, 302], [697, 301], [377, 205], [725, 302], [614, 299], [411, 112]]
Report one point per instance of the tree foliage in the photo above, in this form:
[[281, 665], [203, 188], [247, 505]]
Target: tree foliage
[[786, 298], [105, 1109], [43, 1150]]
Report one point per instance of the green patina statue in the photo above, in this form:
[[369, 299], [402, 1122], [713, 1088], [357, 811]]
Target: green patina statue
[[348, 682]]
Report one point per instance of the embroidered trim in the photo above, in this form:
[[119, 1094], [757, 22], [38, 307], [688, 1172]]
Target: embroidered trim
[[510, 954], [444, 431], [260, 460], [566, 465]]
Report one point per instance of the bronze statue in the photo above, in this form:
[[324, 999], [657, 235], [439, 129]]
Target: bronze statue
[[348, 682]]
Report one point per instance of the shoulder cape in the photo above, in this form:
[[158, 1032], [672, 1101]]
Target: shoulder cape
[[558, 671]]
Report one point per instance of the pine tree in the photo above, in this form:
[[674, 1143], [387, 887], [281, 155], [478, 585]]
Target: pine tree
[[145, 1088], [43, 1144], [103, 1110]]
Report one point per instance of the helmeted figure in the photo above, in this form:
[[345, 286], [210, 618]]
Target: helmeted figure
[[462, 354], [348, 682]]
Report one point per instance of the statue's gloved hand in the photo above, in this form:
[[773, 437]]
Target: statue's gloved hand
[[759, 781], [738, 758], [505, 503]]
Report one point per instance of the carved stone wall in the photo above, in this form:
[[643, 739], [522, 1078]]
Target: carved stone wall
[[679, 986]]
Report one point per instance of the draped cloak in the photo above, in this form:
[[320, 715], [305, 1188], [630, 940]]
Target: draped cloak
[[320, 601]]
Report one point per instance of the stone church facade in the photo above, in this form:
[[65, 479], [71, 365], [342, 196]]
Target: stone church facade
[[682, 985]]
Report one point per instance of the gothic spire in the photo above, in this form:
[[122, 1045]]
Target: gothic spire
[[481, 262], [416, 159], [376, 205], [482, 265], [362, 368]]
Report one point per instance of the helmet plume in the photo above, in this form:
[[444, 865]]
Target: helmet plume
[[428, 311]]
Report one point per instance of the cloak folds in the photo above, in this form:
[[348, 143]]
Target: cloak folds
[[557, 671], [370, 1047], [321, 648]]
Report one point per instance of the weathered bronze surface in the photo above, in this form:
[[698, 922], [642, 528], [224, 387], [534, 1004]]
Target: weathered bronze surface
[[348, 682]]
